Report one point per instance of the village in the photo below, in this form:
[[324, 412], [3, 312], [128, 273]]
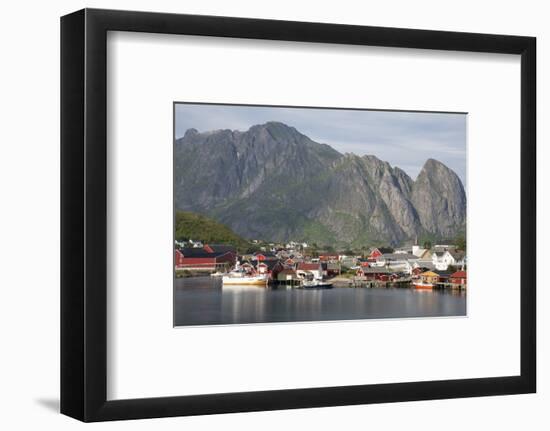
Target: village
[[427, 267]]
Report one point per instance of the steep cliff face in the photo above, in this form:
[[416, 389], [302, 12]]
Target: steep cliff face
[[274, 183], [440, 200]]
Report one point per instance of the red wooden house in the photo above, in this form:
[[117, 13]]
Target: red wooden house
[[219, 248], [328, 258], [376, 273], [417, 271], [270, 267], [290, 262], [377, 252], [260, 257], [199, 259], [458, 279]]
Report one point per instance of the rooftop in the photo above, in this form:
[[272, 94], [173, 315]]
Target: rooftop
[[397, 256]]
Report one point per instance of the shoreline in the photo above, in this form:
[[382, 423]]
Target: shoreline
[[338, 282]]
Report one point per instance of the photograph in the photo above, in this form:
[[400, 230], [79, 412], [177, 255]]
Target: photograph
[[298, 214]]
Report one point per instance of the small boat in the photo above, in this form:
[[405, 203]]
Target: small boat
[[316, 284], [217, 274], [419, 284]]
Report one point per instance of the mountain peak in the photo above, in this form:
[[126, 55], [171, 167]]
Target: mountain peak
[[275, 127], [431, 164], [438, 196], [434, 170], [190, 132], [278, 132], [277, 124]]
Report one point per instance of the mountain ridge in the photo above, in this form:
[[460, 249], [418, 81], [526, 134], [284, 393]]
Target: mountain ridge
[[274, 183]]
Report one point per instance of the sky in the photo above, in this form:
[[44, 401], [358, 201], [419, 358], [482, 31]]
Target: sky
[[404, 139]]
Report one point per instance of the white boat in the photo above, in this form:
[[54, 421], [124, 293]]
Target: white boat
[[244, 279], [316, 284], [238, 276], [217, 274], [241, 278]]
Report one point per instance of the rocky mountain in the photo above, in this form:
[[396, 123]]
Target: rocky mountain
[[274, 183]]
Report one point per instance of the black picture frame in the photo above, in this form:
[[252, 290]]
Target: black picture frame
[[84, 214]]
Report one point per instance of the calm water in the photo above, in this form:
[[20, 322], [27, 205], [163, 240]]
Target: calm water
[[203, 301]]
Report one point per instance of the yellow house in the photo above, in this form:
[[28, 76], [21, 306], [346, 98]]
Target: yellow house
[[429, 277]]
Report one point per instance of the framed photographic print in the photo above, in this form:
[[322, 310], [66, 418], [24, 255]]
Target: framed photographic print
[[262, 215]]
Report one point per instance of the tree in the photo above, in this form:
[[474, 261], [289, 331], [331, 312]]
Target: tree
[[313, 252], [427, 244], [252, 249], [199, 227], [344, 269], [460, 242]]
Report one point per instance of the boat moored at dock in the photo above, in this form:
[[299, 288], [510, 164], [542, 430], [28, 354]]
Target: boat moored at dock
[[316, 284], [419, 284], [240, 276], [245, 280]]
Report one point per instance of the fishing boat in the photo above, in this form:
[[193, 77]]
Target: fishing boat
[[241, 278], [426, 281], [238, 276], [419, 284]]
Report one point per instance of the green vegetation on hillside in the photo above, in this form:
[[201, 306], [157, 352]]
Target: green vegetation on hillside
[[460, 241], [201, 228]]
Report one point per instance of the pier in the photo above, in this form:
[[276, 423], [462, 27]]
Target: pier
[[405, 282], [454, 286]]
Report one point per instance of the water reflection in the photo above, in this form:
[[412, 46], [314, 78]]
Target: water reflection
[[203, 301]]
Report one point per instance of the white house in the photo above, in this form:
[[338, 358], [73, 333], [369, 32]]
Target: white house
[[403, 250], [425, 258], [348, 261], [443, 259], [303, 269], [419, 251], [397, 262]]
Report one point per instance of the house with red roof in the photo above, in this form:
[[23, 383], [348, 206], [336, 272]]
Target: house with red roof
[[377, 252], [329, 257], [458, 279], [270, 267], [303, 269], [199, 259]]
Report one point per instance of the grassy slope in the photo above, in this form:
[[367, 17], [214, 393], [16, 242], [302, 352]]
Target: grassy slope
[[198, 227]]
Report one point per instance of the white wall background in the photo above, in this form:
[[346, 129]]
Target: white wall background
[[29, 220]]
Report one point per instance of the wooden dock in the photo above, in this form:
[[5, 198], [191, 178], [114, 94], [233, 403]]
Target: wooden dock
[[453, 286], [362, 282]]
